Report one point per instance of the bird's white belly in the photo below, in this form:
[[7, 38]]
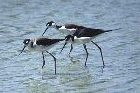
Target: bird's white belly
[[82, 40], [40, 47], [67, 31], [37, 48]]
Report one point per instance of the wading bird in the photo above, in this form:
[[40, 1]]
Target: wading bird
[[41, 44], [76, 30], [84, 36]]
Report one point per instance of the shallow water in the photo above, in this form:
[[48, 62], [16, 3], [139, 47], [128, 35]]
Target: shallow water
[[22, 19]]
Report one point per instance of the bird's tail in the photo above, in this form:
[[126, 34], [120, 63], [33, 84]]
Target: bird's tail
[[112, 30]]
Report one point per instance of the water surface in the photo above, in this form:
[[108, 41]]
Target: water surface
[[22, 19]]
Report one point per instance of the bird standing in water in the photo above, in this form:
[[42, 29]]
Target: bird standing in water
[[43, 45]]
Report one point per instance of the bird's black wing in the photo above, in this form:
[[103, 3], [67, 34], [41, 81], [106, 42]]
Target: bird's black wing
[[88, 32], [47, 42], [73, 26]]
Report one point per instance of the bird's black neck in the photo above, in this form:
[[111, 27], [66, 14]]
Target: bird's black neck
[[32, 44], [57, 27], [69, 37]]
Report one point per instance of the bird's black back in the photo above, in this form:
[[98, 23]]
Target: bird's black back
[[71, 26], [46, 41], [88, 32]]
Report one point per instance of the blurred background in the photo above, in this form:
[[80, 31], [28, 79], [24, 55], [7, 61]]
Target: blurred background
[[20, 19]]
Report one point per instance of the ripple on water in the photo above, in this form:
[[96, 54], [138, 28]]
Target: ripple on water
[[22, 19]]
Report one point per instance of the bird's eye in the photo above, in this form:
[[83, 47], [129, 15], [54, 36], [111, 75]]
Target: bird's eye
[[26, 42], [48, 24]]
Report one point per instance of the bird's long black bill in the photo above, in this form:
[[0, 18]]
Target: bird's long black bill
[[22, 50], [63, 47], [45, 31]]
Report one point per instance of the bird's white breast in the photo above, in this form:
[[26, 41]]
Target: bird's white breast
[[82, 40], [37, 47]]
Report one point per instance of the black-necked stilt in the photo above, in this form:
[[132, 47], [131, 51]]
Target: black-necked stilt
[[68, 29], [41, 44], [76, 30], [84, 36]]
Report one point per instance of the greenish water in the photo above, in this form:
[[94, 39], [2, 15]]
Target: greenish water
[[20, 19]]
